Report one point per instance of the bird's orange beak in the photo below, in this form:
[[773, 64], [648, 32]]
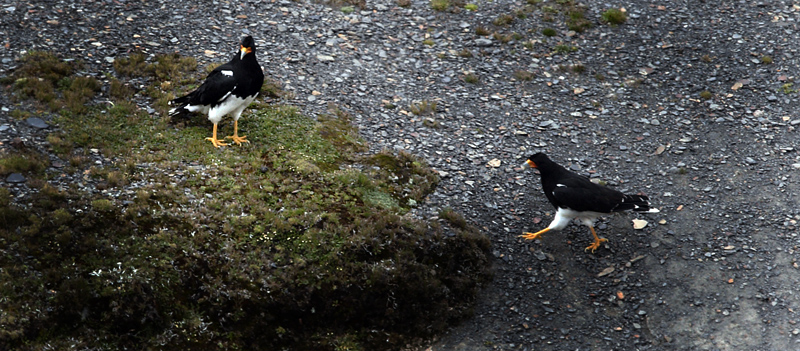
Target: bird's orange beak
[[530, 164], [244, 51]]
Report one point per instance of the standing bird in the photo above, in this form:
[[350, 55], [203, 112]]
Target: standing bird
[[228, 89], [576, 197]]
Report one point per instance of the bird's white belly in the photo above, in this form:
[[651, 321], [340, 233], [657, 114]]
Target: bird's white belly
[[232, 105], [565, 215]]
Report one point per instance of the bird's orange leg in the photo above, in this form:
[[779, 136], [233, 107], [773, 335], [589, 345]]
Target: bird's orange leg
[[214, 140], [597, 241], [235, 137], [531, 236]]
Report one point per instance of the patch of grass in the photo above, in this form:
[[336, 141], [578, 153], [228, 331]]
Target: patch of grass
[[471, 78], [578, 68], [549, 32], [465, 53], [529, 45], [428, 42], [523, 75], [705, 95], [787, 88], [424, 107], [564, 48], [766, 59], [131, 66], [516, 36], [706, 58], [26, 161], [503, 38], [482, 31], [503, 20], [471, 7], [440, 5], [614, 17], [19, 114], [404, 3], [347, 9], [576, 20]]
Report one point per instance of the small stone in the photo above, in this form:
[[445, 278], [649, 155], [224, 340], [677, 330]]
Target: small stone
[[15, 178], [37, 123], [483, 42]]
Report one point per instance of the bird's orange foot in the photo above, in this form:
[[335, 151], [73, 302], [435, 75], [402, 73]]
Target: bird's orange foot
[[238, 139], [595, 244], [530, 236], [217, 142]]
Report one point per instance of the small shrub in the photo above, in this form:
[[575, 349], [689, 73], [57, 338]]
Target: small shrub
[[347, 9], [705, 94], [423, 107], [549, 32], [766, 59], [577, 22], [523, 75], [564, 48], [503, 20], [706, 58], [528, 45], [578, 68], [614, 16], [465, 53], [428, 42], [404, 3], [440, 5], [503, 38], [482, 31], [471, 78]]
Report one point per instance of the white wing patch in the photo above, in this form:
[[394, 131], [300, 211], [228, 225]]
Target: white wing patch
[[227, 94], [561, 185], [226, 72]]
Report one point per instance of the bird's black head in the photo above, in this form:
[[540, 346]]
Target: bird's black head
[[248, 46], [537, 160]]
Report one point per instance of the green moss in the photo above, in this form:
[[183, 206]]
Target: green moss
[[22, 162], [440, 5], [471, 78], [614, 16]]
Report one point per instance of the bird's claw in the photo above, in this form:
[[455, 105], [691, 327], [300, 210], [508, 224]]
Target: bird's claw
[[217, 142], [595, 244], [238, 139], [530, 236]]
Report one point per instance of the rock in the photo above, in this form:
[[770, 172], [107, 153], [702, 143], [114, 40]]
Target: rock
[[37, 123], [15, 178]]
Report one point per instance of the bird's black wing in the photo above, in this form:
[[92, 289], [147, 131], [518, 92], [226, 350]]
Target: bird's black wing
[[580, 194], [219, 83]]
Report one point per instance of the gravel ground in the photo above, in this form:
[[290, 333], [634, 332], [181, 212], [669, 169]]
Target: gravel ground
[[715, 270]]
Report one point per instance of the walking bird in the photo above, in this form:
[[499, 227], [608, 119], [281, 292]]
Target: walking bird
[[228, 89], [576, 197]]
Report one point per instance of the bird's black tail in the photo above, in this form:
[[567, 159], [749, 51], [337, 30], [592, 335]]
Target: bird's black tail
[[179, 104], [637, 203]]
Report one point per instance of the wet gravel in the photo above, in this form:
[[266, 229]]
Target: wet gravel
[[715, 270]]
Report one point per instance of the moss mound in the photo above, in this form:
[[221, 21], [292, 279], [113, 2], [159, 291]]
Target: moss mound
[[296, 241]]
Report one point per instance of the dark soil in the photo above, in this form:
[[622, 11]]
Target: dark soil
[[690, 102]]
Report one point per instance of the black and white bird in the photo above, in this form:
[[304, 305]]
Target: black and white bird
[[228, 89], [576, 197]]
